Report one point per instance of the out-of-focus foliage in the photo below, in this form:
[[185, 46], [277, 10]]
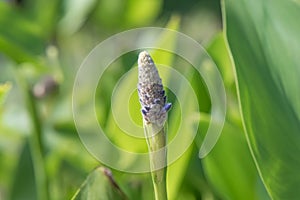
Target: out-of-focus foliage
[[47, 40], [100, 184], [23, 31], [4, 89]]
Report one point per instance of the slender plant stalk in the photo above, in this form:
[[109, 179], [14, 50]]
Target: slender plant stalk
[[35, 141], [154, 111], [156, 141]]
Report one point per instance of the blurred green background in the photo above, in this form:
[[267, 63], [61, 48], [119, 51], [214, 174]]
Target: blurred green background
[[42, 45]]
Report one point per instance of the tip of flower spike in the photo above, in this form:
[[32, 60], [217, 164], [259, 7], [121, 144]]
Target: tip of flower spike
[[144, 59], [148, 74]]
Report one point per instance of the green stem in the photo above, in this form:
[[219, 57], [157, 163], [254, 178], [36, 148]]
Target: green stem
[[156, 140], [35, 142]]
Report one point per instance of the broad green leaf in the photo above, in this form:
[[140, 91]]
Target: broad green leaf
[[263, 37], [99, 185]]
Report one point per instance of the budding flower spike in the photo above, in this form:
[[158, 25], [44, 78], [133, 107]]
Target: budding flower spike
[[151, 92], [154, 111]]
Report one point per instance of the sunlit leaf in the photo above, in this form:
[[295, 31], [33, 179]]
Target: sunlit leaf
[[263, 37]]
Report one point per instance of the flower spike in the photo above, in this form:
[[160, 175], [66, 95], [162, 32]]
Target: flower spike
[[151, 91]]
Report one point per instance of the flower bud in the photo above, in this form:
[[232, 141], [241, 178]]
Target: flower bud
[[151, 91]]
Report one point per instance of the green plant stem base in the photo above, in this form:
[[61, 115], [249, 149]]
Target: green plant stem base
[[156, 140]]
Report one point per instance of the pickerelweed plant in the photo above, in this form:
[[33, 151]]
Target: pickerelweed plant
[[154, 110]]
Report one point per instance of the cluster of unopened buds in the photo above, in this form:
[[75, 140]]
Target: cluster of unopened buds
[[151, 92]]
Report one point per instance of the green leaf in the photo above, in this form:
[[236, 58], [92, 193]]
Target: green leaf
[[218, 51], [195, 184], [230, 168], [99, 185], [177, 170], [264, 40], [24, 185]]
